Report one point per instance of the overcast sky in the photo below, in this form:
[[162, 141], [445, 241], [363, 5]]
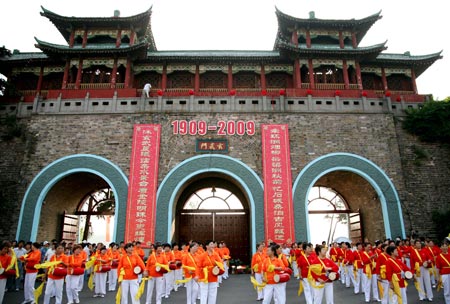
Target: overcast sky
[[416, 26]]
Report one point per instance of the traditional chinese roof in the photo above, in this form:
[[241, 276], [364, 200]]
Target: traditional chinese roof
[[330, 51], [140, 23], [264, 56], [91, 49], [358, 26], [419, 62]]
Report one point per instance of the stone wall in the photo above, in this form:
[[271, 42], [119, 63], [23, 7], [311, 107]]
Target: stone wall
[[373, 136]]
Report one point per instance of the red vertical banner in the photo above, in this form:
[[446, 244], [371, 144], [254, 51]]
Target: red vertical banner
[[141, 205], [278, 209]]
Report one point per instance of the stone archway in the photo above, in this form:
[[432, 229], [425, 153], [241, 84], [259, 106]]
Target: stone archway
[[173, 184], [374, 175], [30, 212]]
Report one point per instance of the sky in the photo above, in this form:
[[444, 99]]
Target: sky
[[419, 27]]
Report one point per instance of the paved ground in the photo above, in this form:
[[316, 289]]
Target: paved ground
[[237, 289]]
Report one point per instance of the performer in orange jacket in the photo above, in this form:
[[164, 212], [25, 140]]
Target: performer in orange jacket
[[443, 264], [395, 273], [257, 265], [5, 261], [130, 265], [272, 266], [31, 259], [55, 279], [209, 263], [191, 273], [324, 271], [157, 266]]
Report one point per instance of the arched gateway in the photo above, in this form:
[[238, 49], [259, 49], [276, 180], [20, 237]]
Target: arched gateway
[[179, 177], [36, 193], [390, 202]]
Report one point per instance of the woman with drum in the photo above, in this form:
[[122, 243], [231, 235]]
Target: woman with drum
[[209, 263], [75, 274], [56, 275], [191, 273], [114, 256], [396, 273], [324, 271], [272, 268], [156, 267], [102, 267], [5, 260], [130, 265], [31, 259]]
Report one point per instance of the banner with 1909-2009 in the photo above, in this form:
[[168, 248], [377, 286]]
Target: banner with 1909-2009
[[141, 205], [278, 209]]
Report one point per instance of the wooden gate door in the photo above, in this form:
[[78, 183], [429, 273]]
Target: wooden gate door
[[69, 228], [233, 229], [197, 227], [356, 229]]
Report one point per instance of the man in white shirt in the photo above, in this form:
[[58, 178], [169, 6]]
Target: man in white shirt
[[20, 251], [147, 88]]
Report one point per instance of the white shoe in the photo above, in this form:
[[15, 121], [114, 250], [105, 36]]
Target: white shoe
[[166, 296]]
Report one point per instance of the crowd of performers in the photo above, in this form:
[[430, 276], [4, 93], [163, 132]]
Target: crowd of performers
[[379, 271], [125, 268]]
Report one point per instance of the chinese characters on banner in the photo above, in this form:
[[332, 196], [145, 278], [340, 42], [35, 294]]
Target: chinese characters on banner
[[278, 210], [141, 206]]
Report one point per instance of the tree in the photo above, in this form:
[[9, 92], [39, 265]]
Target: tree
[[431, 123]]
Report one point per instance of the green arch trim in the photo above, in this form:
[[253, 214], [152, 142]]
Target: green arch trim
[[30, 212], [234, 168], [390, 202]]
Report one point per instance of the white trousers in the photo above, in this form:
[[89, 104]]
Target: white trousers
[[385, 295], [170, 280], [28, 287], [319, 292], [366, 284], [178, 276], [394, 298], [158, 284], [191, 292], [307, 291], [208, 293], [274, 290], [72, 287], [375, 293], [446, 287], [225, 268], [53, 288], [342, 272], [425, 284], [295, 267], [357, 281], [349, 277], [258, 278], [100, 282], [2, 289], [112, 279], [132, 287]]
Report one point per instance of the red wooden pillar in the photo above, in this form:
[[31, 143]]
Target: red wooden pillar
[[384, 79], [72, 38], [132, 37], [294, 38], [345, 72], [197, 79], [354, 43], [119, 37], [41, 76], [230, 77], [341, 40], [308, 39], [114, 75], [358, 76], [312, 85], [297, 74], [66, 74], [263, 77], [79, 73], [84, 38], [164, 78], [413, 80], [128, 74]]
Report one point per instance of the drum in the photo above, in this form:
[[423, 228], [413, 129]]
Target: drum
[[77, 271], [172, 266], [178, 263], [59, 271], [160, 269], [2, 270], [288, 271], [115, 264], [408, 275], [281, 277], [11, 272], [217, 271], [425, 264], [332, 276], [104, 268], [137, 270]]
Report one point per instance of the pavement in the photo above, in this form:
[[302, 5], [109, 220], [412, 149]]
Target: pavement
[[237, 289]]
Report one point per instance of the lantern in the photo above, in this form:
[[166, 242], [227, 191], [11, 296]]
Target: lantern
[[337, 93], [398, 98], [364, 94], [282, 92], [387, 94], [160, 92], [263, 92], [232, 92], [191, 92], [309, 92]]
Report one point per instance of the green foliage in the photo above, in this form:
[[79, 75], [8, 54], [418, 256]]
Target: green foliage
[[431, 123], [13, 128], [421, 154], [441, 223]]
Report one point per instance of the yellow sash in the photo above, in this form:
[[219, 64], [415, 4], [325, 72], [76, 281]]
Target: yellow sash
[[440, 284], [368, 267]]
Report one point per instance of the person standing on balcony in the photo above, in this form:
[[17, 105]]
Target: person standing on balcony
[[147, 88]]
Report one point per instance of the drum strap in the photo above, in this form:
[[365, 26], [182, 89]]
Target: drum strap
[[129, 261], [443, 257], [418, 255], [192, 259]]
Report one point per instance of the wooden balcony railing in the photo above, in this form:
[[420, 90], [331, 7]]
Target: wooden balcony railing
[[95, 86], [330, 86], [28, 92]]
